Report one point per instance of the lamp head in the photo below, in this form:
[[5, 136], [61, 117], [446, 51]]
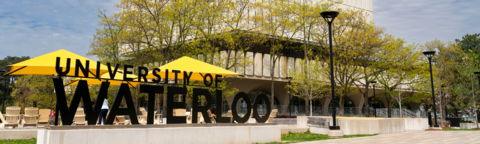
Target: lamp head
[[443, 85], [429, 54], [374, 82], [289, 78], [477, 74], [329, 16]]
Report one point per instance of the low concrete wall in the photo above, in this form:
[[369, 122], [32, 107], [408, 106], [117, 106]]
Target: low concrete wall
[[18, 134], [287, 128], [468, 125], [319, 125], [233, 134], [302, 121], [353, 126], [416, 123], [285, 121]]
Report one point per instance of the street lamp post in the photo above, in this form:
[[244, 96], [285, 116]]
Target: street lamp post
[[429, 55], [329, 16], [375, 102], [290, 96]]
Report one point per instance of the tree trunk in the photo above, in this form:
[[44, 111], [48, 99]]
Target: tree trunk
[[306, 107], [441, 108], [389, 110], [365, 97], [311, 107], [341, 110], [476, 115], [400, 101], [272, 72], [366, 103], [164, 111], [474, 101]]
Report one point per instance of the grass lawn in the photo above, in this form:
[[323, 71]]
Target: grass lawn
[[19, 141], [307, 136]]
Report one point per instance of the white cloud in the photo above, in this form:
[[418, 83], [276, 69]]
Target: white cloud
[[36, 27], [424, 20]]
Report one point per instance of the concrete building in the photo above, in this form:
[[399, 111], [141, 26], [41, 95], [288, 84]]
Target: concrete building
[[257, 75], [363, 5]]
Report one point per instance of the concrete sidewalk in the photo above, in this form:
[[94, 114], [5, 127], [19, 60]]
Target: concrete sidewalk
[[411, 137]]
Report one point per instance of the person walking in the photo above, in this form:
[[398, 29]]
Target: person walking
[[243, 107], [52, 117], [103, 112]]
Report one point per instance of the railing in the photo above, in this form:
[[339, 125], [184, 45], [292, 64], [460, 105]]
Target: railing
[[383, 112], [318, 110]]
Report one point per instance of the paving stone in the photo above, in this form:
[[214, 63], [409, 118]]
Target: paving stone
[[411, 137]]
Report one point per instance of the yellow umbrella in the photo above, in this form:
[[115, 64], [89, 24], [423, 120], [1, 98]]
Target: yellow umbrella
[[118, 80], [45, 65], [198, 69]]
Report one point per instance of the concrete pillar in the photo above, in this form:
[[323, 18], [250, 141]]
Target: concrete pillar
[[358, 101], [325, 102]]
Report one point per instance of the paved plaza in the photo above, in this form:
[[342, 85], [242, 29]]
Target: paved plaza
[[411, 137]]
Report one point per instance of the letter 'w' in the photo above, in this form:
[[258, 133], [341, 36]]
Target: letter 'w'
[[68, 113]]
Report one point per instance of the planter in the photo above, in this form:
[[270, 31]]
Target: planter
[[285, 121], [467, 125]]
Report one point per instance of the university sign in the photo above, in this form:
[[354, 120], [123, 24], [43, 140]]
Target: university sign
[[92, 113]]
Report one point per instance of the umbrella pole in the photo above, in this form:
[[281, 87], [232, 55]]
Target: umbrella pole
[[56, 111], [56, 114]]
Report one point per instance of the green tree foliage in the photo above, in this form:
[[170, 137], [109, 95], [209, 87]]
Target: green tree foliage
[[309, 85], [402, 65], [449, 55], [467, 86], [470, 43], [7, 80], [34, 88]]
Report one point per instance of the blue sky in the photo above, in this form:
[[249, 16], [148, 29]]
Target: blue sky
[[425, 20], [36, 27]]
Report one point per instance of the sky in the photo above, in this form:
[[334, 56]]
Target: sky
[[426, 20], [36, 27]]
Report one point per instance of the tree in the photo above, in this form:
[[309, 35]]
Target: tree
[[307, 15], [8, 80], [448, 56], [346, 67], [467, 83], [106, 41], [278, 22], [470, 43], [34, 88], [309, 85], [368, 41], [402, 68], [152, 33]]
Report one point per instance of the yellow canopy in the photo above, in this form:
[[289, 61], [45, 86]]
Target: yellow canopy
[[45, 65], [117, 82], [198, 69]]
